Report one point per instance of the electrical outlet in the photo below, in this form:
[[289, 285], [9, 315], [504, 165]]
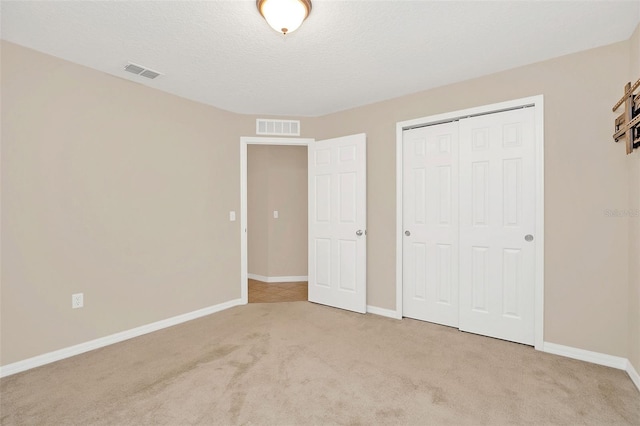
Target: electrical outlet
[[77, 300]]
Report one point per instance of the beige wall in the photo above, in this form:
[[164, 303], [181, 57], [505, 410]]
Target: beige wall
[[115, 190], [277, 180], [122, 192], [257, 210], [634, 224], [586, 256], [109, 188]]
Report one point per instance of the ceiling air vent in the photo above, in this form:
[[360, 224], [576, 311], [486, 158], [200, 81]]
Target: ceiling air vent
[[142, 71], [277, 127]]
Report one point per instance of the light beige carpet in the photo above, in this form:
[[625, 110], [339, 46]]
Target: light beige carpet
[[299, 363]]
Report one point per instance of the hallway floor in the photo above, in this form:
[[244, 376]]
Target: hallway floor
[[261, 292]]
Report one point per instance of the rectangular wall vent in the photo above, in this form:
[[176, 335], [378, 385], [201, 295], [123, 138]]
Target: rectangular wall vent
[[277, 127], [142, 71]]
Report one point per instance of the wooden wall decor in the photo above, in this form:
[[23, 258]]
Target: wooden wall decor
[[627, 125]]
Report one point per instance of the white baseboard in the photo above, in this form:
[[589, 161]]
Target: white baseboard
[[635, 377], [584, 355], [595, 358], [264, 279], [37, 361], [382, 312]]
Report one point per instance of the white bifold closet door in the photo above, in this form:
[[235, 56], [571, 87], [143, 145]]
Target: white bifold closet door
[[497, 225], [430, 245], [469, 221]]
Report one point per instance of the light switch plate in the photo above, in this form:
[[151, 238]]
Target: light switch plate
[[77, 300], [232, 216], [275, 214]]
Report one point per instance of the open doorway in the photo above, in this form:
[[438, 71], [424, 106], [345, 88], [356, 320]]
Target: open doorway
[[336, 226], [277, 237], [263, 278]]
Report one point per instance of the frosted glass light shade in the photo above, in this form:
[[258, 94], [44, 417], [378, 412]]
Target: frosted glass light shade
[[284, 16]]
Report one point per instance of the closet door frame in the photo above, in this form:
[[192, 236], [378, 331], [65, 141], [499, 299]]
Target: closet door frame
[[537, 102]]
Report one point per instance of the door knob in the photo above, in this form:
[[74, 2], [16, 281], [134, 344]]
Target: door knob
[[407, 233], [528, 238], [359, 232]]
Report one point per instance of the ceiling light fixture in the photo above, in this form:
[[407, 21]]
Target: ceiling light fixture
[[284, 16]]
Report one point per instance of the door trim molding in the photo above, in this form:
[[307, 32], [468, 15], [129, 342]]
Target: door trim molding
[[244, 142], [533, 101]]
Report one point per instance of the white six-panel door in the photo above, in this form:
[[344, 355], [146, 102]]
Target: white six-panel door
[[469, 221], [337, 222], [430, 245], [497, 225]]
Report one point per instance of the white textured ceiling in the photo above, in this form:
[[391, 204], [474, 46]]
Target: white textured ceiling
[[348, 53]]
